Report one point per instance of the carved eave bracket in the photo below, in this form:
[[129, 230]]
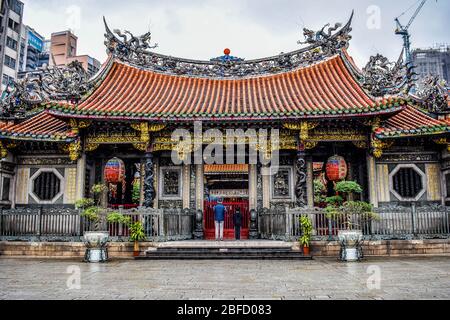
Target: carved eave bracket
[[379, 146], [3, 150], [74, 149], [443, 141], [304, 129], [77, 125]]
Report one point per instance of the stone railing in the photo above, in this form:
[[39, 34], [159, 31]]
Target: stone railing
[[69, 225], [390, 223]]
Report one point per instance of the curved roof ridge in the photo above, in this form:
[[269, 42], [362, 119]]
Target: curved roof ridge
[[136, 51]]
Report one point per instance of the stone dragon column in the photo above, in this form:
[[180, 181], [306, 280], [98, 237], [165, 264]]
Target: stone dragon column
[[149, 180], [301, 174]]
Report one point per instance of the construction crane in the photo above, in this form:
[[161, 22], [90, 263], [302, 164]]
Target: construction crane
[[404, 31]]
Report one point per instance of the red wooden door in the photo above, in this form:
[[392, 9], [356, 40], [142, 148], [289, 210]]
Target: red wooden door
[[228, 232]]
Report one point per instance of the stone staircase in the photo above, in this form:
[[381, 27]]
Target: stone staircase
[[226, 250]]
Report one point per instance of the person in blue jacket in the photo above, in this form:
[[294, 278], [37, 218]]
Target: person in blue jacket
[[219, 218]]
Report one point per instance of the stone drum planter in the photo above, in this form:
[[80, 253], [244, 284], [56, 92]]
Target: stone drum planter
[[96, 246], [351, 245]]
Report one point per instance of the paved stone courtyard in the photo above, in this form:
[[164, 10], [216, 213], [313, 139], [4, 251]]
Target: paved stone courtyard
[[401, 278]]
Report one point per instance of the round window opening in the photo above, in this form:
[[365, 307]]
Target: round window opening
[[46, 186], [408, 183]]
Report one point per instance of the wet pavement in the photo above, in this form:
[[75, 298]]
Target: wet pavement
[[380, 278]]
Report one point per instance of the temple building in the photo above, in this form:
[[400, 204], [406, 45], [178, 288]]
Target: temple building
[[59, 132]]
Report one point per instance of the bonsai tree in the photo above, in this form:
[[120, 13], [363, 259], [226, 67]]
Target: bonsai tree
[[343, 205], [306, 230], [319, 193], [91, 208]]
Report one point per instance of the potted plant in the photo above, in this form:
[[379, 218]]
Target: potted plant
[[305, 239], [137, 233], [96, 241], [348, 214]]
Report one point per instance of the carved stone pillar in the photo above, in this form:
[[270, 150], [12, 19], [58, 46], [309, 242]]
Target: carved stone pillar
[[372, 177], [310, 181], [149, 182], [81, 177], [253, 186], [300, 186]]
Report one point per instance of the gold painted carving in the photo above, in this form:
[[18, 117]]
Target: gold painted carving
[[361, 144], [76, 125], [141, 146], [379, 147], [310, 144], [3, 151], [91, 147], [304, 127], [443, 141], [145, 128], [118, 138], [75, 150], [326, 135]]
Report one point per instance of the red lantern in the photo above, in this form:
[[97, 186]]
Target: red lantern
[[336, 169], [115, 171]]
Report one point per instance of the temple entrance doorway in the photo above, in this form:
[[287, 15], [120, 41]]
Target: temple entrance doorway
[[229, 183], [128, 193], [356, 170], [120, 169]]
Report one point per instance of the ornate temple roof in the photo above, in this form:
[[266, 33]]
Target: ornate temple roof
[[324, 89], [412, 122], [318, 81], [42, 126]]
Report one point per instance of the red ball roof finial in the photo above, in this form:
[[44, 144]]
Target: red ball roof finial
[[227, 51]]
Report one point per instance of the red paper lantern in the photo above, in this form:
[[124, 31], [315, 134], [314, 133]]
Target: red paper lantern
[[336, 169], [227, 52], [115, 171]]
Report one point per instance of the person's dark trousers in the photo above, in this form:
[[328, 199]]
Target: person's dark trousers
[[237, 230]]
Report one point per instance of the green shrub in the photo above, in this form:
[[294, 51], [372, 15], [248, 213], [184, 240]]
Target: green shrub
[[91, 213], [137, 232], [116, 217], [84, 203], [348, 187], [306, 229]]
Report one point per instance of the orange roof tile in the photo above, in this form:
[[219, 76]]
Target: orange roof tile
[[42, 126], [410, 122], [324, 89]]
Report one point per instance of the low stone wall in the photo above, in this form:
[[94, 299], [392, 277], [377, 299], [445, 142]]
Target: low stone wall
[[121, 250], [63, 249], [387, 248]]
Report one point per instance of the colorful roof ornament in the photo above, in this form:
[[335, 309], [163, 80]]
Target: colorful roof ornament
[[432, 95], [136, 51], [381, 77], [227, 57]]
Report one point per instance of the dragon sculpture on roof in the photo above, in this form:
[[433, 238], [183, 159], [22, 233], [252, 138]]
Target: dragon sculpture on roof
[[329, 39], [55, 83], [381, 77], [136, 51], [432, 95]]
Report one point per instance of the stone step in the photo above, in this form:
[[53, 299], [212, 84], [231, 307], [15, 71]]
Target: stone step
[[254, 244], [225, 256], [221, 250], [213, 250]]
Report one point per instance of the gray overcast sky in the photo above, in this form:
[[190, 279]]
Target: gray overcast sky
[[201, 29]]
